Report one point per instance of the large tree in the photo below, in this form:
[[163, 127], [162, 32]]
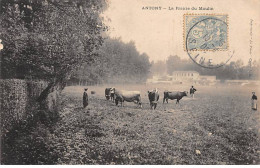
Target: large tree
[[49, 39]]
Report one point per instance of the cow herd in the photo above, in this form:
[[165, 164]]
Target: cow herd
[[135, 96]]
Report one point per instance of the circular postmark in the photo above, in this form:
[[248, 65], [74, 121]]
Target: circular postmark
[[207, 43]]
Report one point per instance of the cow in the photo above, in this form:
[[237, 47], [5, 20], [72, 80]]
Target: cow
[[129, 96], [173, 95], [107, 93], [153, 98]]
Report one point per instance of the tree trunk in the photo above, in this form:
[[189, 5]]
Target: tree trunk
[[58, 82], [45, 92]]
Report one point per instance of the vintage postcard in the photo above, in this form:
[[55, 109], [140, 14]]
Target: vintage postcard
[[130, 82]]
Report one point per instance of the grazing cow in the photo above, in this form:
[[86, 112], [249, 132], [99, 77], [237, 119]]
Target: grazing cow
[[173, 95], [107, 93], [153, 98], [129, 96], [110, 94]]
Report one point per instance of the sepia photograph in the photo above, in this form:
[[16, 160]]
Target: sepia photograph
[[129, 82]]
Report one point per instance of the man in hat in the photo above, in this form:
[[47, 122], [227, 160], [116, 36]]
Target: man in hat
[[85, 98], [254, 101], [192, 91]]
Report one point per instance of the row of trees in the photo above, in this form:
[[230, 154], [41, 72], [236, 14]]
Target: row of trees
[[54, 39], [49, 39], [232, 70], [118, 63]]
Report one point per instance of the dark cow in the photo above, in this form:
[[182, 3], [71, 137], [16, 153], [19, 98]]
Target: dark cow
[[173, 95], [153, 98], [129, 96], [107, 93]]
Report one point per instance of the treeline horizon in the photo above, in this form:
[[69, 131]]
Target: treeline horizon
[[118, 62], [233, 70], [121, 63]]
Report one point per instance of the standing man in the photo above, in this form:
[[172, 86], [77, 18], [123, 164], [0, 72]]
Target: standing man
[[192, 91], [254, 101], [85, 98]]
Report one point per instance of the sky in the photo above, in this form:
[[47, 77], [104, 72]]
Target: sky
[[159, 33]]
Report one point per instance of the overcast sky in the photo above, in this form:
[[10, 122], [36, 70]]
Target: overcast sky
[[159, 33]]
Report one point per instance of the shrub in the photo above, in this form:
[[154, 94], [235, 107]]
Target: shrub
[[17, 98]]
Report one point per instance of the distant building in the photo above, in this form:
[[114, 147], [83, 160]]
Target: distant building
[[185, 75], [192, 77]]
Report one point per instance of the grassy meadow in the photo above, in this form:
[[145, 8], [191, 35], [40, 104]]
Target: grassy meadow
[[216, 127]]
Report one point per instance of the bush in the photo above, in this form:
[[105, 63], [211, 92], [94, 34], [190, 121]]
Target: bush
[[13, 102], [17, 97]]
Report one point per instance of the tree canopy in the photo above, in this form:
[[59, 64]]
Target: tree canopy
[[48, 39], [118, 62]]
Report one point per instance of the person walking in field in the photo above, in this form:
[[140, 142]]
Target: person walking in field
[[85, 98], [192, 91], [254, 101]]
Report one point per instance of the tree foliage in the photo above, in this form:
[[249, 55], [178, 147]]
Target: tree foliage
[[49, 39], [118, 62], [158, 68]]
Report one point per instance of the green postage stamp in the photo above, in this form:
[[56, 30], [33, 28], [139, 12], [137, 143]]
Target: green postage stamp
[[205, 32], [205, 39]]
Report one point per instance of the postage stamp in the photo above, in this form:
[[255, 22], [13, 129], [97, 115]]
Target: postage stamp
[[205, 32], [206, 39]]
